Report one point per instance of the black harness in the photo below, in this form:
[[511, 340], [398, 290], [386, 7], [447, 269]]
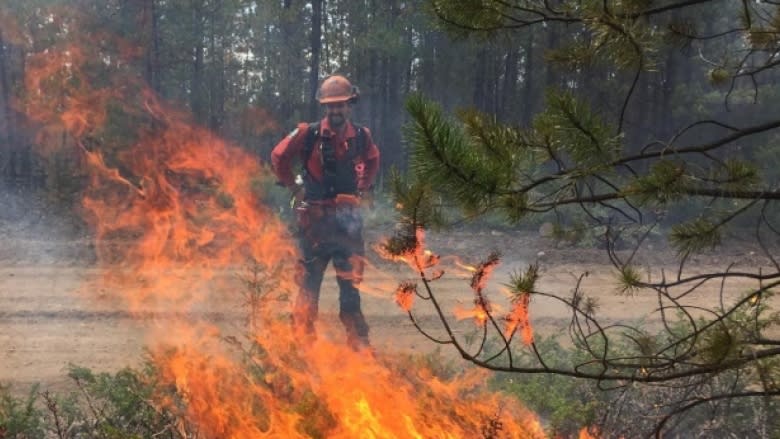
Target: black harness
[[338, 175]]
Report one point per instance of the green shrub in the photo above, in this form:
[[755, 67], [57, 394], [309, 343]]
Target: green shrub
[[564, 404], [20, 418]]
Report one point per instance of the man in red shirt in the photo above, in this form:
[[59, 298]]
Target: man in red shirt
[[340, 162]]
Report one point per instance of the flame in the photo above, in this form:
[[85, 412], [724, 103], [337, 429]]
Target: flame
[[172, 209], [417, 257], [468, 267], [585, 433], [479, 313], [518, 319], [404, 295], [482, 274]]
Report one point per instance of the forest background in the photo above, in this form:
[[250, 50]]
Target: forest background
[[562, 79]]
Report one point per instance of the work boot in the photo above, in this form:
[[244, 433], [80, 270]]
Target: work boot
[[358, 343], [357, 331]]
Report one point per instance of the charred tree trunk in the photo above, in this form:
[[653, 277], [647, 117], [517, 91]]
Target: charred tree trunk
[[316, 49]]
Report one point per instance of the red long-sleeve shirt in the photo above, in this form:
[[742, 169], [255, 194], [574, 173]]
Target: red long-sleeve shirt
[[291, 148]]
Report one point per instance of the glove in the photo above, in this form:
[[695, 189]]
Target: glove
[[297, 196]]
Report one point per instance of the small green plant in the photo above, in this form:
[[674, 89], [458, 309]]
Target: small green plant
[[20, 418], [261, 290], [564, 404], [110, 405]]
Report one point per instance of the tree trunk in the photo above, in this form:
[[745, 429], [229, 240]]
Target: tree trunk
[[529, 78], [499, 70], [326, 50], [153, 58], [5, 94], [128, 18], [508, 93], [373, 84], [409, 69], [6, 124], [427, 64], [316, 49], [551, 76], [383, 82], [480, 73], [217, 82], [196, 93], [294, 80], [392, 137]]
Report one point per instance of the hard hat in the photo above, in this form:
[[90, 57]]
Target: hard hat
[[336, 88]]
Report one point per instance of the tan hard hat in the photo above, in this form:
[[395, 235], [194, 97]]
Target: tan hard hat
[[336, 88]]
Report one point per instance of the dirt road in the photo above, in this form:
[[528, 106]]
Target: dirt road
[[54, 313]]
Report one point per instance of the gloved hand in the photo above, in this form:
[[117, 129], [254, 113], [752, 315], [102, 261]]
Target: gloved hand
[[297, 196]]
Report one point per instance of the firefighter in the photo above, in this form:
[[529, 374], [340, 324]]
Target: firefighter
[[340, 162]]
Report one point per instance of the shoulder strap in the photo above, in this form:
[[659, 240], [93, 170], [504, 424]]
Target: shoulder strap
[[314, 132], [311, 139], [360, 140]]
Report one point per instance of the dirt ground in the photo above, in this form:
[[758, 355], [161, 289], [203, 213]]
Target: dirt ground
[[45, 325]]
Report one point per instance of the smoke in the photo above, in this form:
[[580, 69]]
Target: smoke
[[36, 231]]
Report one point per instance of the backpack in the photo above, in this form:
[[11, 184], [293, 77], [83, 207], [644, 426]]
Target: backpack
[[334, 179], [314, 132]]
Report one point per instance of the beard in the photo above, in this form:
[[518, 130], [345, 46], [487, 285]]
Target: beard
[[336, 120]]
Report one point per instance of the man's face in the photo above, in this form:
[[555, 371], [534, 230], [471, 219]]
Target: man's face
[[337, 113]]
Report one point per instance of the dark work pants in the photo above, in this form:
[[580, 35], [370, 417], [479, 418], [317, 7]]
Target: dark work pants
[[331, 234]]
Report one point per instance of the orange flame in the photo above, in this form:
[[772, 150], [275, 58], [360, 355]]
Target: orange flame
[[478, 313], [585, 433], [482, 274], [518, 319], [417, 257], [404, 295]]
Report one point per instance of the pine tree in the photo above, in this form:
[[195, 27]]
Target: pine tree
[[587, 154]]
